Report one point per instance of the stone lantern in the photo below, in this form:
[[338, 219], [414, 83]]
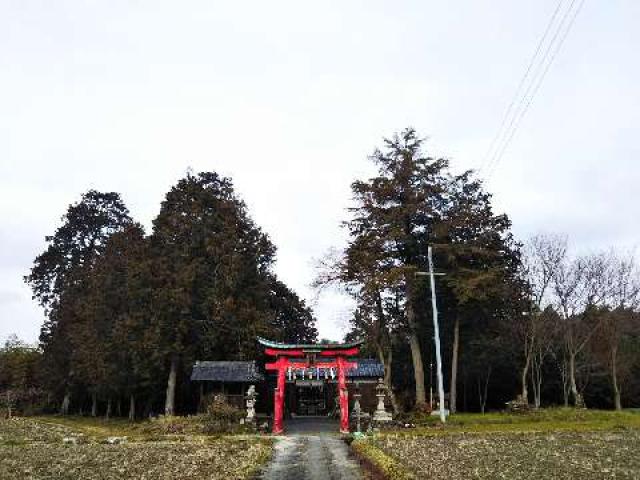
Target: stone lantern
[[381, 415]]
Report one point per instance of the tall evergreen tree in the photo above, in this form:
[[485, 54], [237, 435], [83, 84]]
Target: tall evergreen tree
[[477, 251], [125, 310], [104, 337], [58, 276], [133, 338], [412, 203], [395, 210], [211, 266]]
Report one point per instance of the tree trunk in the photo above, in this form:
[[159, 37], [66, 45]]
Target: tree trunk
[[66, 402], [201, 398], [132, 407], [614, 379], [483, 392], [573, 387], [170, 400], [464, 391], [565, 385], [416, 352], [537, 361], [536, 379], [108, 412], [524, 394], [453, 384], [94, 405], [148, 407], [418, 370], [486, 389], [386, 361]]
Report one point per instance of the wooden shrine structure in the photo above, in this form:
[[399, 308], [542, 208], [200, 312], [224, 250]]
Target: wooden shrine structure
[[314, 361]]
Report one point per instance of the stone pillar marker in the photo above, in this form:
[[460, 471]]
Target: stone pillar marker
[[357, 409], [381, 415], [251, 399]]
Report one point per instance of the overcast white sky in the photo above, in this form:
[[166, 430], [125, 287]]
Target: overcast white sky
[[289, 98]]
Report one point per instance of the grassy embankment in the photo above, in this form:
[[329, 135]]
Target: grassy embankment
[[554, 444], [77, 447]]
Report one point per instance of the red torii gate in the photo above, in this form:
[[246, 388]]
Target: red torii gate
[[296, 357]]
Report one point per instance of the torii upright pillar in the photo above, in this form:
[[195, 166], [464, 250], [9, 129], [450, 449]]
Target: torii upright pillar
[[343, 395], [278, 395]]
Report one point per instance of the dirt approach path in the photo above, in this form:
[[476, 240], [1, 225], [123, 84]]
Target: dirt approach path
[[312, 457]]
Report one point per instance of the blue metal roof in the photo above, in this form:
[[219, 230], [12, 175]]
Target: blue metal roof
[[367, 367], [240, 372]]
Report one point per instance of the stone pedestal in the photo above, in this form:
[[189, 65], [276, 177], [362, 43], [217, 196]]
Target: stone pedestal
[[381, 415], [357, 410]]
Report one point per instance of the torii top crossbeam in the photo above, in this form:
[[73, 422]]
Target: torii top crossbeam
[[320, 355], [301, 350]]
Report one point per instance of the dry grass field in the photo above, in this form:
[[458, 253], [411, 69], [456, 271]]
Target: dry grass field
[[556, 444], [550, 444], [44, 448], [564, 455]]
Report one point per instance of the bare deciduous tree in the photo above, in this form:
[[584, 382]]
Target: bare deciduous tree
[[582, 285], [567, 280], [619, 319], [542, 256], [547, 332]]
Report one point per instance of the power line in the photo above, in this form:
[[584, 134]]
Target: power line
[[516, 120], [507, 112], [525, 95], [507, 133]]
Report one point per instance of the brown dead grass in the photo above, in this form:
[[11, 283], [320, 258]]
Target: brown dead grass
[[34, 449], [524, 455]]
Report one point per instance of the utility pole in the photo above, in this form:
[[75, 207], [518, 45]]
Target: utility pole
[[436, 332]]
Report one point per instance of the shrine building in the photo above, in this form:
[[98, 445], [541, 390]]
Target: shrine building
[[296, 381]]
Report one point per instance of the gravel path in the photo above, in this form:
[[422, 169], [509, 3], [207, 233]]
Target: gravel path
[[311, 457]]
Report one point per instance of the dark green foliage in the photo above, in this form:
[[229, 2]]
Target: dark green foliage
[[416, 202], [124, 310], [560, 326], [60, 278], [19, 388], [292, 320], [213, 289], [80, 239], [211, 266], [108, 339]]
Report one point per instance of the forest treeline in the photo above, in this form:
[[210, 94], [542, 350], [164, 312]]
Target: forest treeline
[[129, 313], [531, 322], [515, 318]]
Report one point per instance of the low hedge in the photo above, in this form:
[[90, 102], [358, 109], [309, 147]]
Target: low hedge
[[219, 417]]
